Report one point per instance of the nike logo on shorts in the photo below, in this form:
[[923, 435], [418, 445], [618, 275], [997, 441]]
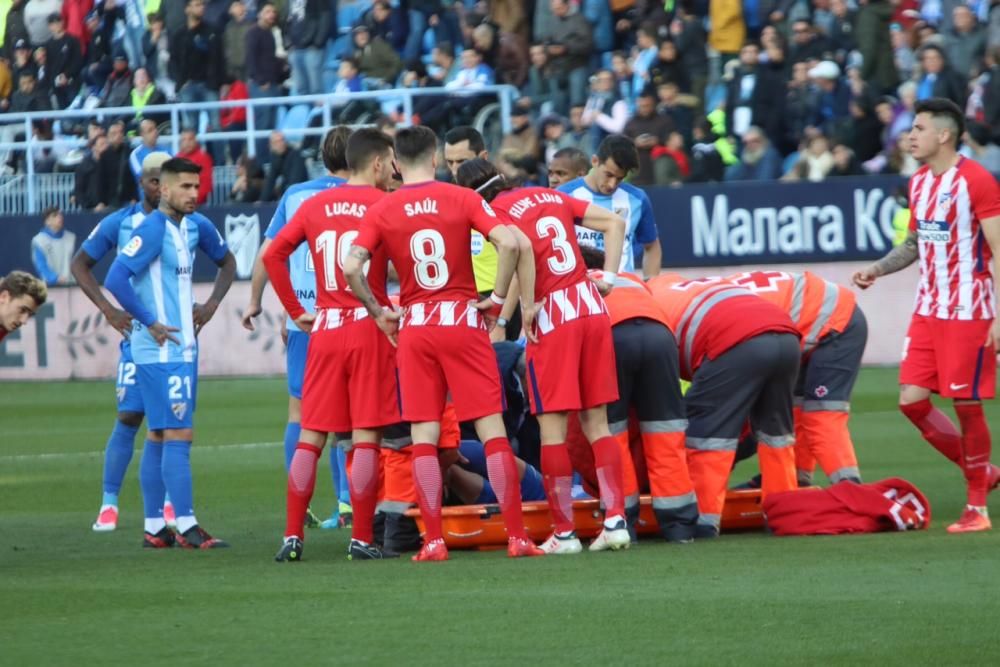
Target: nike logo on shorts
[[957, 387]]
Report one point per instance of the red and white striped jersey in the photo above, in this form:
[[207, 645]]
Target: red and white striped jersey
[[956, 275]]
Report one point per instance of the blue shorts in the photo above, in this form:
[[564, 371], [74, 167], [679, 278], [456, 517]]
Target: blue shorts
[[126, 390], [532, 487], [169, 392], [295, 361]]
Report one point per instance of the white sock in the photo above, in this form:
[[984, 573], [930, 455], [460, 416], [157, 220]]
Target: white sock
[[186, 523], [153, 526], [610, 522], [982, 510]]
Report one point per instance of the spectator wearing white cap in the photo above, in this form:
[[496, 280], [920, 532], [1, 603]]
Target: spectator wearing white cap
[[833, 108]]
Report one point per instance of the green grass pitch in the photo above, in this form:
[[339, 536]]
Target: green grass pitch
[[72, 597]]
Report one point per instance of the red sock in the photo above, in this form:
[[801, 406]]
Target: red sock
[[506, 483], [301, 483], [936, 428], [557, 474], [976, 451], [608, 461], [364, 489], [427, 480]]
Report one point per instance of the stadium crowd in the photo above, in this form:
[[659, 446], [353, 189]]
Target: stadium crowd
[[727, 90]]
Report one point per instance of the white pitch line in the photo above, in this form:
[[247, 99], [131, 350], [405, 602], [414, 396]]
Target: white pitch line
[[56, 456]]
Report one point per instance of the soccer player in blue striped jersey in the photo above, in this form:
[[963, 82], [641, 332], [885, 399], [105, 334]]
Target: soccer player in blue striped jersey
[[151, 279], [303, 274], [112, 234], [604, 186]]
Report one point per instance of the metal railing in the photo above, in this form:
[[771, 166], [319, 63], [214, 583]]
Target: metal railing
[[36, 191]]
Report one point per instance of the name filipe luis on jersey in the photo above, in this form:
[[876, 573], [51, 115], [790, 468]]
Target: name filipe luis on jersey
[[720, 229]]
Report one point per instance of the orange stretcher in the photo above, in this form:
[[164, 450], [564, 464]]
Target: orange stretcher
[[481, 526]]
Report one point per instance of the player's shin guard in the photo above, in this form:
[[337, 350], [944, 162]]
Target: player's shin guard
[[976, 449], [936, 428], [292, 431], [674, 501], [177, 478], [557, 474], [608, 465], [117, 456], [776, 455], [301, 483], [502, 472], [829, 440], [709, 469], [151, 483], [364, 458], [427, 480]]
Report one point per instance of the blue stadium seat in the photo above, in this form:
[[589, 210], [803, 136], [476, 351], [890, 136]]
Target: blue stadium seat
[[296, 118]]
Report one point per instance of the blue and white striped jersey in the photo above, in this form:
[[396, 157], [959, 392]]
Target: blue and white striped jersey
[[629, 202], [300, 264], [113, 231], [160, 254]]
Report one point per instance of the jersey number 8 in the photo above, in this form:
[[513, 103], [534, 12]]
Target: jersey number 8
[[427, 250]]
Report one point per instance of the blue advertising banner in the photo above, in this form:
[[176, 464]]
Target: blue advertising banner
[[847, 219]]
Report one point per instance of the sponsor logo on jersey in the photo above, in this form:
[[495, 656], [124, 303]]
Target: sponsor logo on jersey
[[477, 243], [120, 392], [184, 270], [179, 410], [933, 231], [134, 245]]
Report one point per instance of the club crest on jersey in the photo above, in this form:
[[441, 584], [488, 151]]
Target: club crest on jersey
[[133, 246], [179, 410], [944, 198]]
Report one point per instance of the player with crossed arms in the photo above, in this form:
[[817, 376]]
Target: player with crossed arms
[[424, 227], [951, 344], [572, 365], [350, 378]]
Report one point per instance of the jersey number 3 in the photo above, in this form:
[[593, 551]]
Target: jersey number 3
[[564, 260], [427, 251]]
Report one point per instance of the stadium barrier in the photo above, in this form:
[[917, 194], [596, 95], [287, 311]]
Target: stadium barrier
[[832, 229]]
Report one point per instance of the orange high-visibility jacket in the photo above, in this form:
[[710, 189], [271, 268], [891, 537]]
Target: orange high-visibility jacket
[[631, 300], [709, 316], [817, 306]]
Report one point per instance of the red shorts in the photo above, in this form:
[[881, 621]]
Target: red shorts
[[572, 367], [948, 357], [435, 359], [350, 379]]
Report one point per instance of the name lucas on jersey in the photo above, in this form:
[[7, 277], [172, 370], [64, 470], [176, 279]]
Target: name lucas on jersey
[[426, 206], [352, 209], [521, 206]]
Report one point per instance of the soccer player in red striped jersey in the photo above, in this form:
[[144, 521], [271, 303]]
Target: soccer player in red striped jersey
[[572, 365], [21, 295], [951, 344], [444, 346], [350, 383]]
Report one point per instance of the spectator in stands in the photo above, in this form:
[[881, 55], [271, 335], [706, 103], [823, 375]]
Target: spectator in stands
[[22, 60], [191, 150], [671, 165], [52, 249], [117, 88], [265, 71], [801, 106], [156, 50], [99, 59], [688, 33], [648, 130], [388, 22], [728, 29], [234, 40], [605, 112], [86, 182], [864, 134], [939, 79], [115, 185], [670, 105], [510, 64], [815, 161], [536, 86], [706, 162], [6, 84], [36, 19], [234, 119], [43, 78], [842, 31], [965, 43], [807, 43], [145, 94], [149, 142], [196, 63], [759, 160], [28, 97], [379, 63], [623, 74], [646, 53], [433, 14], [522, 141], [845, 162], [773, 49], [988, 110], [668, 67], [977, 145], [754, 96], [65, 60], [568, 43], [875, 44], [249, 181], [579, 136], [14, 29], [287, 168], [833, 104], [306, 30], [553, 137], [74, 15], [566, 165]]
